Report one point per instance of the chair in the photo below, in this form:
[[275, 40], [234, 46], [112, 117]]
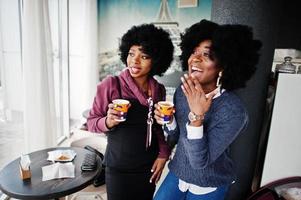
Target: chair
[[82, 138], [273, 190], [264, 194]]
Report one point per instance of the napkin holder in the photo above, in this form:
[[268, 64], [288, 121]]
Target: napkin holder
[[25, 173], [24, 167]]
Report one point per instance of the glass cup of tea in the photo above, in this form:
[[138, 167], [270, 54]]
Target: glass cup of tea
[[122, 106], [166, 108]]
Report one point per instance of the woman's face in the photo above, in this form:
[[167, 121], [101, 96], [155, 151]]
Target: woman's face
[[203, 66], [139, 63]]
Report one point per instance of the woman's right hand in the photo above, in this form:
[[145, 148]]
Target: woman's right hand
[[112, 115], [159, 116]]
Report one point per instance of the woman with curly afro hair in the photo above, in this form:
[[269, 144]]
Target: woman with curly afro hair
[[209, 116], [136, 151]]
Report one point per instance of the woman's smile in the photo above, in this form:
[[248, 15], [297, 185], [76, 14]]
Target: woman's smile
[[195, 71]]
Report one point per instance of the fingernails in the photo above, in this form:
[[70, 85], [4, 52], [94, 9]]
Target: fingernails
[[150, 181], [185, 75], [152, 170], [182, 87], [182, 79]]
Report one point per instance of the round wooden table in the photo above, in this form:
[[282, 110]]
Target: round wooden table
[[34, 188]]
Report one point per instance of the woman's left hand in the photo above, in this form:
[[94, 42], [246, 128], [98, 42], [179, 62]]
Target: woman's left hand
[[196, 98], [157, 169]]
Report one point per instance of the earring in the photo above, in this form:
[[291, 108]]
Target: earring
[[218, 81]]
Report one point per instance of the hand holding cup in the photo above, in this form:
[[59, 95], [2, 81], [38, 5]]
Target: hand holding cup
[[122, 106], [117, 112], [164, 112]]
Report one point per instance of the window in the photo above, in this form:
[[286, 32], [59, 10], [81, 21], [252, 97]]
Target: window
[[11, 111], [11, 75]]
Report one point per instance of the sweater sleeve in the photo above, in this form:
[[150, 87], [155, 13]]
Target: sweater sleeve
[[97, 116], [202, 152], [164, 149]]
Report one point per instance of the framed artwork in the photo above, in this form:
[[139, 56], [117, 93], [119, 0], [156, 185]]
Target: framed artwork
[[115, 17], [187, 3]]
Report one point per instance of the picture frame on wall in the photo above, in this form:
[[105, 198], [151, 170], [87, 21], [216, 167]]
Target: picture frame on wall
[[187, 3]]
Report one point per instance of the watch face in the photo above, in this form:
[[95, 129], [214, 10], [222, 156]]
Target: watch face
[[192, 117]]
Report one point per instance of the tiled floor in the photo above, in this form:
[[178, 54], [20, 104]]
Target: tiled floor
[[90, 193]]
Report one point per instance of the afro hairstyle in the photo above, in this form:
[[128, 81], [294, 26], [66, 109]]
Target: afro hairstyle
[[154, 41], [237, 54]]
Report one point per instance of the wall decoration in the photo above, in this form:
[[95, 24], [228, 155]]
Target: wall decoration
[[115, 17]]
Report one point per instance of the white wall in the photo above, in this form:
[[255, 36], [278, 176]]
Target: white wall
[[283, 149]]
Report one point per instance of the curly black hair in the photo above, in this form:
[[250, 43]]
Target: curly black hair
[[233, 47], [154, 41], [237, 54]]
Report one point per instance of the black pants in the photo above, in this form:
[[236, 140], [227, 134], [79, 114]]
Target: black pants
[[125, 185]]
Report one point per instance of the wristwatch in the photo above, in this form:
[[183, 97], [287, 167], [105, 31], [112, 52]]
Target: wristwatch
[[194, 117]]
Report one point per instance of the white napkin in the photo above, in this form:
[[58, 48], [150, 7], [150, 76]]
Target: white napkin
[[25, 162], [58, 170], [61, 155]]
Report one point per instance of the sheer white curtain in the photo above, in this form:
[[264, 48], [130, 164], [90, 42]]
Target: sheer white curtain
[[39, 106], [2, 80], [10, 62], [83, 55]]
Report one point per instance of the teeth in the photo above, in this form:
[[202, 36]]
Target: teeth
[[196, 69]]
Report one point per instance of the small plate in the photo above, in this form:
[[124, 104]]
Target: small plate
[[61, 155]]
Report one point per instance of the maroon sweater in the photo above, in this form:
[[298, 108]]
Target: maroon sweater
[[107, 90]]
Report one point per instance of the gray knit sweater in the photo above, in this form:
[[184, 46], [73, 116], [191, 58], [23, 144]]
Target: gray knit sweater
[[205, 162]]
